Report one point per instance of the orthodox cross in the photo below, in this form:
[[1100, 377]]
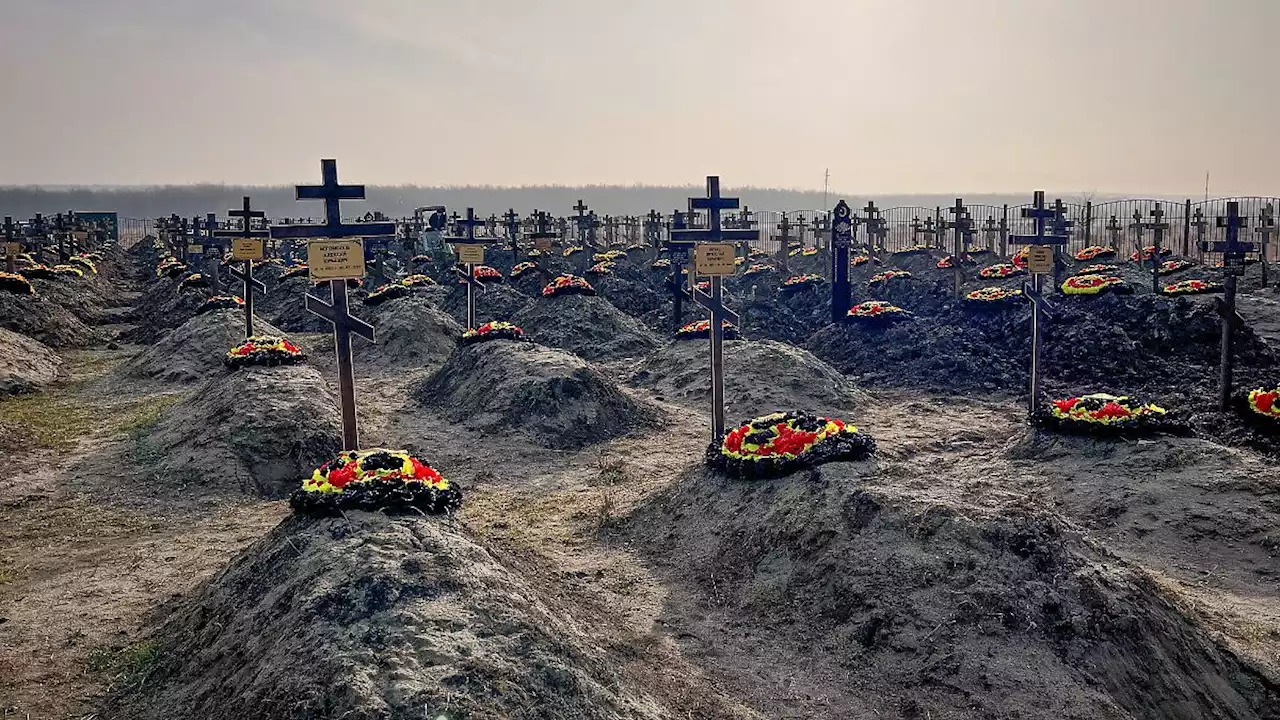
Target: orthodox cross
[[1233, 252], [1200, 224], [1114, 230], [876, 227], [1157, 227], [12, 248], [961, 225], [581, 207], [1266, 228], [1039, 304], [653, 228], [250, 248], [470, 251], [512, 222], [989, 232]]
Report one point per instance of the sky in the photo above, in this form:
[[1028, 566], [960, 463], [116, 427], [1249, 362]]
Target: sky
[[889, 96]]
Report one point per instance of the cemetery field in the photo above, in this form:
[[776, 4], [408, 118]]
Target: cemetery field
[[168, 548]]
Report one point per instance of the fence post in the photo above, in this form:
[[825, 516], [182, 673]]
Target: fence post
[[1088, 223], [1186, 229], [1004, 232]]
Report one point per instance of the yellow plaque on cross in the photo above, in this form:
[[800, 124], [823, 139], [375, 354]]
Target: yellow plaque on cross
[[471, 254], [714, 259], [246, 249], [1040, 259], [335, 259]]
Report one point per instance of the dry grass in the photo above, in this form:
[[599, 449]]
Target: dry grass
[[49, 420], [143, 415]]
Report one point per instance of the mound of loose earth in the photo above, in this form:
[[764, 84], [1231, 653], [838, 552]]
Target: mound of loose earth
[[369, 616], [256, 431], [903, 605], [759, 377], [495, 302], [25, 364], [410, 332], [195, 350], [589, 327], [46, 321], [160, 309], [556, 399]]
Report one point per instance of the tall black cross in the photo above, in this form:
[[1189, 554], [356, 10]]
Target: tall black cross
[[653, 228], [60, 229], [961, 225], [1233, 252], [1114, 230], [784, 240], [467, 226], [338, 313], [1157, 227], [39, 235], [990, 232], [581, 207], [10, 242], [512, 222], [247, 215], [714, 203], [1039, 304], [1266, 229], [876, 228], [1200, 224], [212, 251]]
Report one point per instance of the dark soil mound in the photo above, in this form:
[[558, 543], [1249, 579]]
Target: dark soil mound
[[369, 617], [919, 609], [79, 296], [256, 431], [411, 331], [195, 350], [497, 301], [25, 364], [760, 377], [161, 308], [44, 320], [288, 306], [589, 327], [556, 399]]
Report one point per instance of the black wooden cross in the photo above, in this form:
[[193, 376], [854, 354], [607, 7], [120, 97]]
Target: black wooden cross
[[1114, 230], [10, 241], [784, 241], [1039, 304], [338, 313], [60, 228], [653, 228], [1140, 227], [1157, 227], [961, 225], [247, 215], [593, 224], [212, 249], [581, 207], [1266, 228], [990, 232], [1200, 224], [467, 227], [512, 222], [1233, 252], [877, 228], [714, 203]]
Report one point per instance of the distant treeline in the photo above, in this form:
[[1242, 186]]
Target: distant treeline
[[400, 201]]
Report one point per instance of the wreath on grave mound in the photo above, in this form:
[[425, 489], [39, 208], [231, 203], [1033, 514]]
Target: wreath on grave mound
[[1000, 271], [913, 250], [487, 274], [803, 252], [857, 260], [1247, 261], [1095, 252], [493, 331], [1148, 252], [701, 330], [413, 282], [570, 251], [660, 264], [390, 291], [170, 267], [757, 252], [1095, 285], [420, 259], [535, 253], [946, 263], [1192, 287], [521, 268], [1169, 267], [989, 297], [610, 256], [783, 442], [300, 270], [602, 268], [635, 248], [796, 283], [568, 285], [68, 271], [877, 312], [376, 480], [739, 261], [757, 268], [220, 302], [269, 350], [192, 281], [1101, 413], [38, 272], [1097, 269], [888, 275], [85, 263], [16, 284], [1264, 403]]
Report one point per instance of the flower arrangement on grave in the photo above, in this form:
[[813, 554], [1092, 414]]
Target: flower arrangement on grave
[[784, 442], [1148, 252], [376, 480], [1103, 412], [1247, 261], [414, 282], [84, 262], [757, 252], [739, 261], [390, 291], [1020, 259], [68, 271], [610, 256], [568, 285], [1095, 252], [1265, 402], [1094, 285], [38, 272], [193, 281], [220, 302], [521, 268], [703, 285], [701, 330], [888, 275], [535, 253], [1097, 269], [269, 350], [170, 267], [635, 248], [1169, 267], [571, 250], [487, 274], [602, 268], [15, 284], [1192, 287], [1000, 270], [757, 268], [660, 264], [420, 259], [493, 331], [877, 312], [993, 296], [803, 252], [796, 283], [857, 260], [25, 259], [293, 271], [914, 249]]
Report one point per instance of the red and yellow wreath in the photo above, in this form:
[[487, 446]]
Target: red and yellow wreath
[[783, 442], [1100, 411], [568, 285], [1093, 284], [888, 275], [496, 330], [68, 271], [170, 267], [946, 263], [1095, 252], [803, 252], [420, 259], [1169, 267], [16, 284], [293, 271], [757, 253], [390, 291], [571, 250], [610, 256], [1192, 287], [1000, 270], [376, 480], [1148, 252], [38, 271], [220, 302], [1021, 258], [486, 274], [857, 260], [1265, 402], [757, 268], [266, 350], [993, 296], [418, 281], [602, 268], [661, 264], [801, 282], [877, 312], [701, 330], [1097, 269], [193, 281], [521, 268], [85, 262]]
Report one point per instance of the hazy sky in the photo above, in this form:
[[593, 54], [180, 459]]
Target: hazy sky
[[1140, 96]]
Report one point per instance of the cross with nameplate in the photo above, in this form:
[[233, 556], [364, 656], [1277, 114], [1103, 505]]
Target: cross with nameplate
[[12, 248], [713, 301], [212, 251], [512, 222], [248, 248], [38, 233], [1233, 252], [876, 228], [1157, 227], [1039, 304], [470, 251], [1266, 229], [337, 262]]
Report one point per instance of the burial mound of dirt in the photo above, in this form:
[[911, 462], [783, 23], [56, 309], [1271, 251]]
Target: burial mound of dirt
[[162, 308], [368, 616], [46, 321], [26, 365], [497, 301], [410, 332], [256, 431], [759, 377], [288, 299], [905, 606], [556, 399], [589, 327], [195, 350]]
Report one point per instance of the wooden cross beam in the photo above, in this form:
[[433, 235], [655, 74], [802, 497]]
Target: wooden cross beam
[[1233, 254], [990, 232], [470, 248], [1043, 218], [961, 225], [10, 246], [512, 222], [249, 250], [1266, 229]]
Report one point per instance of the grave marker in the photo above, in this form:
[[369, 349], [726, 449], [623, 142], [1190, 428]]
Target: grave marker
[[512, 222], [842, 231], [60, 230], [1266, 228], [1200, 224], [653, 229], [876, 228], [211, 249], [245, 242], [338, 313], [784, 241], [470, 252], [1157, 228], [961, 226], [1039, 304], [1114, 230], [12, 248], [990, 232], [1233, 252]]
